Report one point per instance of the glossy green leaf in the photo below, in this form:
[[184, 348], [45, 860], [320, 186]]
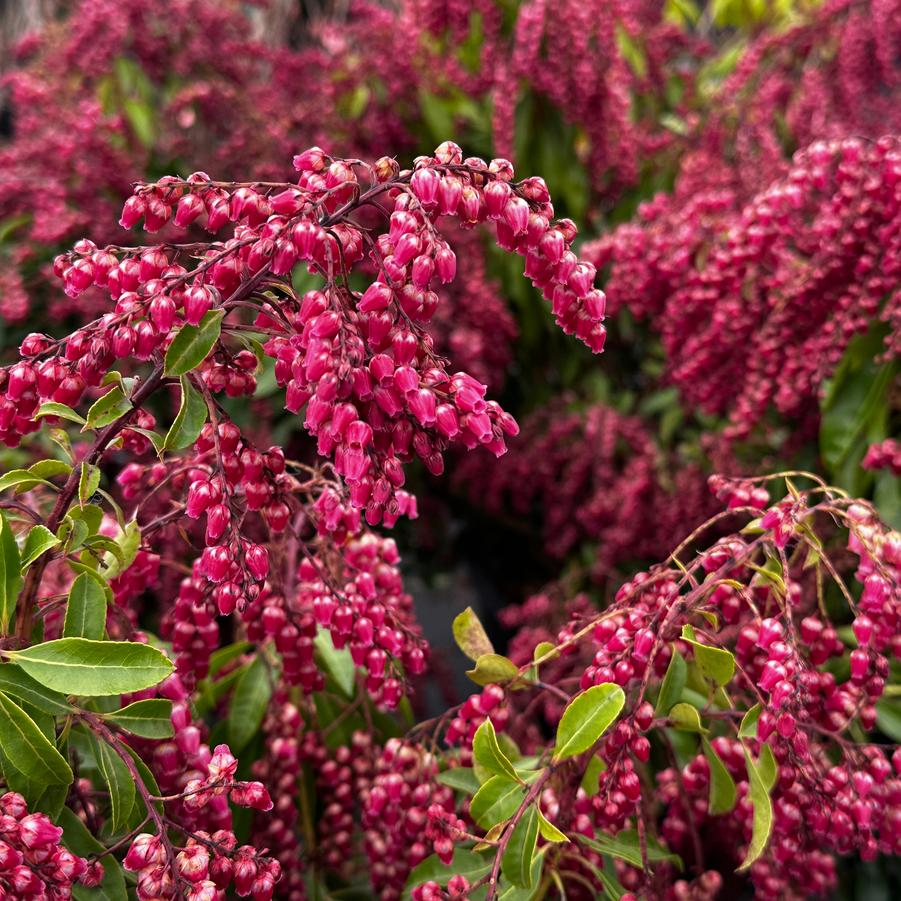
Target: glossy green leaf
[[129, 542], [592, 775], [717, 664], [516, 864], [722, 786], [497, 800], [38, 541], [120, 782], [193, 343], [488, 754], [586, 718], [79, 666], [759, 786], [27, 749], [336, 662], [461, 778], [15, 682], [149, 718], [491, 669], [686, 718], [107, 409], [249, 704], [51, 408], [21, 480], [88, 483], [627, 846], [673, 684], [549, 832], [79, 841], [470, 635], [10, 574], [748, 727], [192, 415], [85, 609]]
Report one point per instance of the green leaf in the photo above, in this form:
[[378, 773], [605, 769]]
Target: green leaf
[[48, 469], [149, 718], [336, 662], [748, 727], [763, 809], [488, 754], [549, 832], [79, 841], [592, 775], [192, 415], [855, 408], [19, 684], [626, 846], [51, 408], [107, 409], [497, 800], [686, 718], [461, 778], [470, 635], [715, 663], [27, 749], [586, 718], [722, 786], [673, 684], [249, 704], [85, 609], [120, 783], [10, 574], [464, 863], [22, 480], [88, 483], [38, 541], [140, 811], [493, 669], [191, 346], [223, 656], [516, 864], [140, 117], [78, 666], [129, 542]]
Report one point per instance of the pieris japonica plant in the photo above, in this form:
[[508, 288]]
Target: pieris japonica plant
[[104, 747]]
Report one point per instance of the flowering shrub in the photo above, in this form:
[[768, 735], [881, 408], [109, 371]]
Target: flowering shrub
[[214, 679]]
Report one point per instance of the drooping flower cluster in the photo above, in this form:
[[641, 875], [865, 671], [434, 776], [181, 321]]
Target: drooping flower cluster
[[756, 304], [33, 862], [396, 810], [202, 870], [831, 795]]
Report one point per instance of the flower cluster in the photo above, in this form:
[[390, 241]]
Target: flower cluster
[[33, 863], [756, 304], [200, 871], [884, 455]]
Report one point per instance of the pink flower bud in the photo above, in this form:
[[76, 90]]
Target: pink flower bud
[[516, 215], [312, 160], [189, 208], [257, 560], [376, 297], [199, 300], [132, 212], [424, 184]]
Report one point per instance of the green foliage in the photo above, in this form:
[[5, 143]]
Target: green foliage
[[193, 343], [79, 666], [586, 718]]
